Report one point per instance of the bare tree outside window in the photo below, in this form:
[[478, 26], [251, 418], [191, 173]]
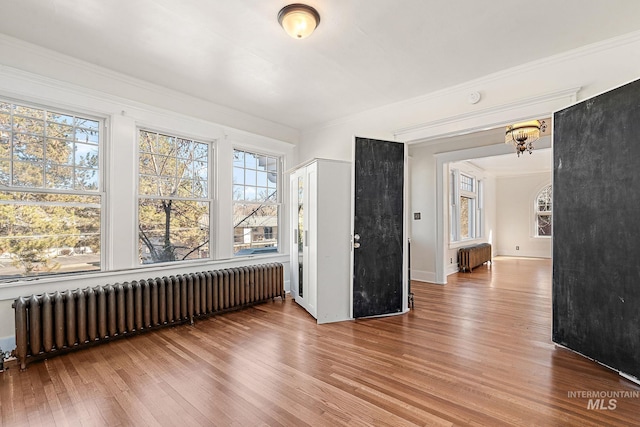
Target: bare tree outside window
[[543, 212], [174, 203], [255, 207]]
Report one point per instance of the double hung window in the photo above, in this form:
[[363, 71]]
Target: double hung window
[[174, 202], [466, 207], [50, 191], [255, 202]]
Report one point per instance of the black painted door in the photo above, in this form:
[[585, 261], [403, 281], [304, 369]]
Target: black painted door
[[378, 227]]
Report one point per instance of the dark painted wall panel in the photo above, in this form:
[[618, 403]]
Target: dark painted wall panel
[[596, 226], [378, 220]]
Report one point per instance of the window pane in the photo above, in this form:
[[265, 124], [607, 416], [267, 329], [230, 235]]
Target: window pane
[[59, 151], [35, 113], [60, 177], [28, 125], [147, 141], [238, 158], [262, 163], [255, 228], [28, 148], [5, 145], [250, 177], [200, 151], [48, 233], [238, 176], [250, 161], [184, 148], [60, 118], [173, 230], [466, 219], [200, 170], [261, 178], [466, 183], [86, 155], [5, 176], [87, 124], [165, 145], [544, 225], [238, 192], [5, 121], [86, 179], [56, 130], [272, 179], [87, 135], [27, 174]]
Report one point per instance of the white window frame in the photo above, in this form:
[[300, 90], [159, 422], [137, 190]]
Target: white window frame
[[476, 216], [100, 192], [537, 212], [278, 202]]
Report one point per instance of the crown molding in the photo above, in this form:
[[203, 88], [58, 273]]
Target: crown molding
[[487, 118], [473, 85]]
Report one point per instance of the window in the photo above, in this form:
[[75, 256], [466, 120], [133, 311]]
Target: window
[[466, 207], [174, 201], [50, 191], [543, 212], [255, 203]]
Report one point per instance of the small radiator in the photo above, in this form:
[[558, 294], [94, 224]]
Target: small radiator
[[54, 323], [473, 256]]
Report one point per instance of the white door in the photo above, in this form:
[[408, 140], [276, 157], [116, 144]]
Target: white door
[[303, 289]]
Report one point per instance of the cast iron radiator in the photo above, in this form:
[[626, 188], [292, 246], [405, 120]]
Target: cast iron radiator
[[473, 256], [54, 323]]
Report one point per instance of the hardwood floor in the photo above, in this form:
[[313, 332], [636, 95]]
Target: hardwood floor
[[474, 352]]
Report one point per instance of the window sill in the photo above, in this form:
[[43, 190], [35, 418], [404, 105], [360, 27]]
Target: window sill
[[14, 288]]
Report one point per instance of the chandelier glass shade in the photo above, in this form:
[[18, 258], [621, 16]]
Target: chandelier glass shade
[[299, 20], [523, 135]]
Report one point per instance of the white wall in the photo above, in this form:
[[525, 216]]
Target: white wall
[[188, 117], [516, 219], [531, 90]]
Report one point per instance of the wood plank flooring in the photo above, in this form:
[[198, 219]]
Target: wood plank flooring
[[474, 352]]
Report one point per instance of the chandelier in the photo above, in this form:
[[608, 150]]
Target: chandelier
[[523, 135]]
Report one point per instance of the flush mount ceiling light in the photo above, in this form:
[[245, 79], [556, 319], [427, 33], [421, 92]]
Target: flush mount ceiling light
[[523, 135], [299, 20]]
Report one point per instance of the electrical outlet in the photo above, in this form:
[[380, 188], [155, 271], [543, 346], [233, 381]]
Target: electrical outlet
[[517, 248], [416, 215], [450, 260]]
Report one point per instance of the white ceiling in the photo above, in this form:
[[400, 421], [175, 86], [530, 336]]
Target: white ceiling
[[540, 160], [364, 54]]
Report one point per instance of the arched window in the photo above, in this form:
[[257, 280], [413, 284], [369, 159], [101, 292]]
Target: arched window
[[543, 211]]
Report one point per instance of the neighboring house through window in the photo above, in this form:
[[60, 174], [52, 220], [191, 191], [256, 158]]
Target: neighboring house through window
[[255, 202], [174, 203], [50, 191], [543, 212]]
